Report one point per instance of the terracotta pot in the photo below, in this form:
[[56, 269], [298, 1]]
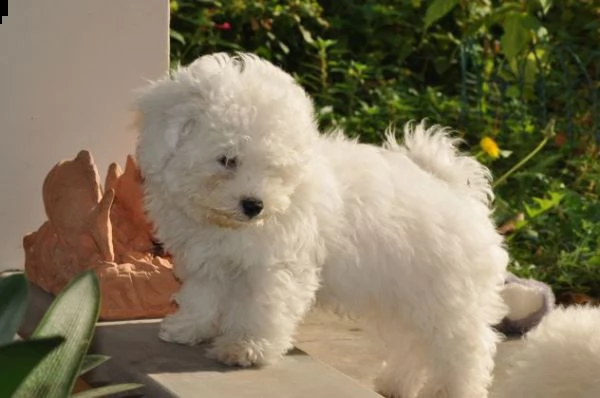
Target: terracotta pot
[[105, 230]]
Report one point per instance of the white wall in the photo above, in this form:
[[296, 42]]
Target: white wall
[[67, 71]]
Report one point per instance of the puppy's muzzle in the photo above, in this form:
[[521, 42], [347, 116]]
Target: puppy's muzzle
[[251, 207]]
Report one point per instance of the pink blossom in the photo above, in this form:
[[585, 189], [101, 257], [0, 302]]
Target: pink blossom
[[223, 26]]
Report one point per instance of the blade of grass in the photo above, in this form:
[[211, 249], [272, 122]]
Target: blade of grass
[[107, 390], [92, 361], [548, 133], [18, 359], [73, 314], [13, 303]]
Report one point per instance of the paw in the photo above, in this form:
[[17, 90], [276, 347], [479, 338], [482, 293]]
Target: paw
[[242, 353], [387, 394], [183, 330], [389, 387], [391, 393], [387, 391]]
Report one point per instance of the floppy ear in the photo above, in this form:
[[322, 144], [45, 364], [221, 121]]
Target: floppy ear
[[165, 112]]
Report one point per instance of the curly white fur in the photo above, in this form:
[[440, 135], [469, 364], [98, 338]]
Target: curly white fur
[[560, 358], [400, 235]]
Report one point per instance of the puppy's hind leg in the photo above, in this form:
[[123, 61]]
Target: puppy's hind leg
[[461, 359], [403, 374], [261, 315]]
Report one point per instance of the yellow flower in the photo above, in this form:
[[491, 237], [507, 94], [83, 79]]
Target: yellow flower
[[490, 147]]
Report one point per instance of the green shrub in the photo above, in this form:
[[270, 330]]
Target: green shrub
[[521, 73]]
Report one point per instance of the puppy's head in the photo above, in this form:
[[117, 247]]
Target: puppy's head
[[226, 139]]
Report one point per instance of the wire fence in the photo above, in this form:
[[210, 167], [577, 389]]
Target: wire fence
[[548, 83]]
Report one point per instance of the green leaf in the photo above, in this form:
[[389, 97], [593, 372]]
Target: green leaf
[[107, 390], [13, 303], [544, 204], [496, 15], [92, 361], [177, 36], [531, 22], [516, 34], [73, 314], [437, 10], [284, 47], [505, 153], [306, 34], [546, 4], [442, 64], [18, 359]]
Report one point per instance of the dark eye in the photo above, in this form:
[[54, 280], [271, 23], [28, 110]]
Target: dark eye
[[230, 163]]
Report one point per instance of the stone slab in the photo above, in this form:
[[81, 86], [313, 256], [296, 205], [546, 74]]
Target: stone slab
[[170, 370], [342, 343]]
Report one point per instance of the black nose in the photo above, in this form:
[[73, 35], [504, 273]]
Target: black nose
[[252, 207]]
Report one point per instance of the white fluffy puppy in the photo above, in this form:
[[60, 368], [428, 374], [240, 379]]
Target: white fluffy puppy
[[259, 210], [560, 358]]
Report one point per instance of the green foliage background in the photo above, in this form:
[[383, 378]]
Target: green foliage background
[[524, 73]]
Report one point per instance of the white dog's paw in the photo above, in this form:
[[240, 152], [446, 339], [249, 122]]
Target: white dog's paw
[[183, 330], [389, 391], [391, 385], [242, 353]]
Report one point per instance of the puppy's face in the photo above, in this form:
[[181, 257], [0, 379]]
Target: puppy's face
[[231, 176], [227, 140]]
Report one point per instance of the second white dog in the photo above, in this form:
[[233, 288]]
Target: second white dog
[[259, 210], [560, 358]]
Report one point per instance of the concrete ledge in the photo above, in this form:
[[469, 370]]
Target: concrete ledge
[[170, 370]]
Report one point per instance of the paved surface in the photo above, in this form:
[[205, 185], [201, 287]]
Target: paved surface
[[171, 370], [345, 363], [344, 345], [340, 343]]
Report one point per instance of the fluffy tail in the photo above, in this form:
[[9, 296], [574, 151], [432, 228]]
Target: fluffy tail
[[434, 150]]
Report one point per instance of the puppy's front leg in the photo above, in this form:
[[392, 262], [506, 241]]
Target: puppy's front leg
[[261, 314], [196, 319]]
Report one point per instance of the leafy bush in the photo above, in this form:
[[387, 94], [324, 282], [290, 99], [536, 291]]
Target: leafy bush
[[518, 79], [48, 364]]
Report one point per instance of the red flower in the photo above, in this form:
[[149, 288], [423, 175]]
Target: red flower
[[223, 26], [560, 139]]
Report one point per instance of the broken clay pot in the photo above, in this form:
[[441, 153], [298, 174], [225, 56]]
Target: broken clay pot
[[104, 230]]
